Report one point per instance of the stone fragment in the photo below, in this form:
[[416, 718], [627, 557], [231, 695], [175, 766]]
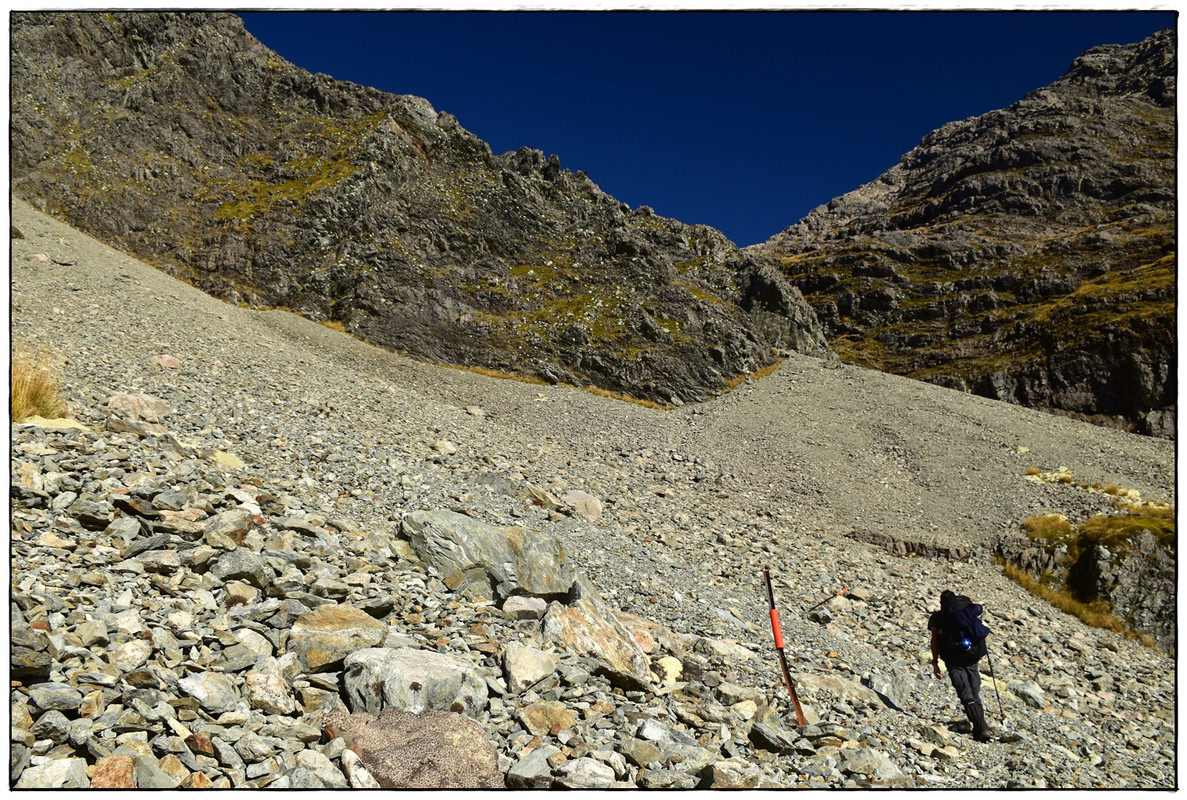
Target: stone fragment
[[494, 562], [1030, 692], [667, 779], [214, 691], [896, 691], [583, 504], [150, 775], [356, 774], [734, 773], [52, 725], [226, 531], [518, 607], [113, 772], [30, 665], [414, 680], [587, 627], [532, 771], [641, 753], [524, 666], [869, 762], [62, 773], [771, 737], [54, 696], [267, 690], [330, 776], [130, 655], [547, 718], [426, 750], [241, 565], [138, 407], [323, 637], [584, 773]]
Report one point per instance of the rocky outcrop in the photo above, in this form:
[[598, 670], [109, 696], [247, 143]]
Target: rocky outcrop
[[1134, 578], [182, 139], [1026, 255]]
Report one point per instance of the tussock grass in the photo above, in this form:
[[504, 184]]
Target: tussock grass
[[36, 389], [1048, 526], [333, 325]]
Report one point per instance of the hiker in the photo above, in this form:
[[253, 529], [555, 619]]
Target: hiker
[[958, 637]]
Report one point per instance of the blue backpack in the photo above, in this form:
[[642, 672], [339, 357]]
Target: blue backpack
[[964, 640]]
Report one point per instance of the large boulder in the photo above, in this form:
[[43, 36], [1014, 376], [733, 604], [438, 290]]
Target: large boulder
[[414, 680], [426, 750], [486, 561]]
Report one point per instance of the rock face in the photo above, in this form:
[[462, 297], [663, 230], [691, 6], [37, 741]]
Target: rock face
[[1134, 579], [180, 138], [1026, 255]]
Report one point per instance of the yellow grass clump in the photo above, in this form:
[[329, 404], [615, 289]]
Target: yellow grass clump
[[36, 389]]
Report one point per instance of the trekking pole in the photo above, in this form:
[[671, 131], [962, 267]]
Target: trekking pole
[[825, 600], [795, 700], [1001, 714]]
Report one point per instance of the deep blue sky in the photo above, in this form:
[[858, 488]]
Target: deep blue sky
[[744, 121]]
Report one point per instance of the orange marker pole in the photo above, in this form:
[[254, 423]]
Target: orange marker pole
[[795, 700], [825, 600]]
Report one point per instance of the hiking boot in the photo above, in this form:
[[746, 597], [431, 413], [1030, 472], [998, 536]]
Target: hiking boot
[[976, 714]]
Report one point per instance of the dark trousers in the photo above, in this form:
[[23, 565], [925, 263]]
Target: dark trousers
[[966, 680]]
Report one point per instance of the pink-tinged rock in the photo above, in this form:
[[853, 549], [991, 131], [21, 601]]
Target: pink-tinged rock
[[587, 626], [584, 504], [169, 362], [113, 772], [323, 637], [640, 628], [139, 406]]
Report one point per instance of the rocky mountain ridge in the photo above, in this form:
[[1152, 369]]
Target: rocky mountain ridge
[[251, 525], [1027, 254], [182, 139]]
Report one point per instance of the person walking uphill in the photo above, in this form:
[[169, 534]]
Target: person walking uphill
[[958, 637]]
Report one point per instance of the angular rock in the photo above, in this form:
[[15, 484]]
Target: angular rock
[[114, 772], [63, 773], [226, 531], [130, 655], [427, 750], [492, 562], [1030, 692], [214, 691], [517, 607], [583, 504], [532, 771], [267, 690], [323, 637], [869, 762], [587, 626], [524, 666], [330, 776], [241, 565], [54, 696], [356, 774], [584, 773], [150, 775], [413, 680], [547, 718]]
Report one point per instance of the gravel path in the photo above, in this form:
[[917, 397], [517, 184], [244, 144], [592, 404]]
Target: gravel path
[[695, 501]]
